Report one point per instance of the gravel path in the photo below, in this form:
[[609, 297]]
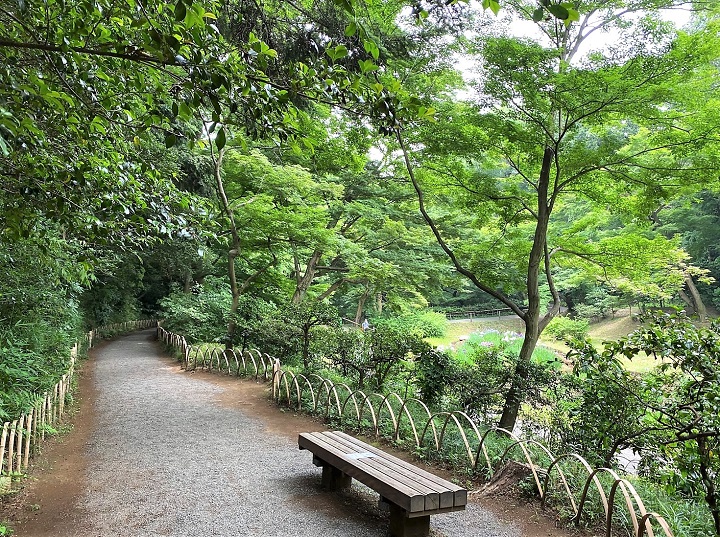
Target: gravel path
[[168, 458]]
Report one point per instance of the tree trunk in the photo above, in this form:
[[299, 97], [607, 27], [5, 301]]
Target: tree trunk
[[303, 283], [361, 306], [379, 306], [232, 325], [698, 303], [515, 395], [233, 250], [330, 290], [712, 495], [688, 301]]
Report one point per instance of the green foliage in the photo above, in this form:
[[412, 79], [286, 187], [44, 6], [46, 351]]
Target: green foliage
[[40, 318], [201, 315], [424, 323], [434, 375], [33, 357], [562, 328], [672, 413], [485, 366], [371, 358], [304, 317]]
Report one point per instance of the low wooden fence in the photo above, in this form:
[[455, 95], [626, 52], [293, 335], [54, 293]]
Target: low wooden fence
[[478, 314], [412, 422], [20, 437]]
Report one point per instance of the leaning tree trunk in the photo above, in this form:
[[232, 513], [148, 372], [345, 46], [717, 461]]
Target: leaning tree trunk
[[307, 278], [697, 301], [361, 306], [516, 393]]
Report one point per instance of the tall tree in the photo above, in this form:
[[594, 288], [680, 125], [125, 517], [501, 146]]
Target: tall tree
[[548, 125]]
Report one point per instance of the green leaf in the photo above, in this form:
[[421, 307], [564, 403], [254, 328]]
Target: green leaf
[[559, 11], [170, 140], [3, 147], [573, 14], [337, 53], [344, 4], [220, 139], [351, 29], [180, 11], [185, 111], [371, 48], [367, 66], [101, 74], [538, 14]]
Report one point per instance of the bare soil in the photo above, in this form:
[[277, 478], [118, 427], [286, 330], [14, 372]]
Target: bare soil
[[57, 478]]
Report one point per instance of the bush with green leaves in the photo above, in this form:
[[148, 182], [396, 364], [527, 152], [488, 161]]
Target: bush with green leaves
[[564, 328], [484, 367], [433, 374], [32, 358], [672, 413], [303, 319], [371, 358], [40, 316], [200, 315], [426, 323]]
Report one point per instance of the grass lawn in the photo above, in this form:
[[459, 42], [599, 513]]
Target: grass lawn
[[459, 329], [604, 330]]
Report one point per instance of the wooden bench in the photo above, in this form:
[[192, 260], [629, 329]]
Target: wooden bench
[[412, 494]]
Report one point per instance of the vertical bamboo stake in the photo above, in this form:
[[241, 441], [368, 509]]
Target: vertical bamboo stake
[[11, 448], [61, 389], [3, 443], [35, 424], [28, 428], [44, 416], [19, 447], [55, 406]]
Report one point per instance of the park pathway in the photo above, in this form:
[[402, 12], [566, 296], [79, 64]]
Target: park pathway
[[179, 454]]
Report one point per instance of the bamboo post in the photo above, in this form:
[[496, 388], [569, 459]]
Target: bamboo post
[[55, 406], [44, 416], [11, 448], [3, 443], [19, 447], [35, 433], [61, 390], [28, 440]]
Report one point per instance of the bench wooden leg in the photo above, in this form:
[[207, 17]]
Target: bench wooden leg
[[402, 526], [334, 479]]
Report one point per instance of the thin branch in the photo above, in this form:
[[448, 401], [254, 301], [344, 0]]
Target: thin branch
[[448, 251]]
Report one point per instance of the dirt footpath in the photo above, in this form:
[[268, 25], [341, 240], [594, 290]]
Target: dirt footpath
[[156, 451]]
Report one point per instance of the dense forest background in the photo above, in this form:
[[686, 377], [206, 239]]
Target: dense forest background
[[276, 173]]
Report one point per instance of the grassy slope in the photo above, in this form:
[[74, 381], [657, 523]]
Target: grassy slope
[[605, 330]]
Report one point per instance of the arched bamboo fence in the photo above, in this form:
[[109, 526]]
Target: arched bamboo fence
[[389, 416]]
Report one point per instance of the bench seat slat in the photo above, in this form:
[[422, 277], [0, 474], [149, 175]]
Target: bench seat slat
[[392, 473], [444, 489], [405, 497], [453, 491]]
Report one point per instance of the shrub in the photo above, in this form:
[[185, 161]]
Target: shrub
[[202, 315], [433, 374], [425, 323], [563, 328]]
